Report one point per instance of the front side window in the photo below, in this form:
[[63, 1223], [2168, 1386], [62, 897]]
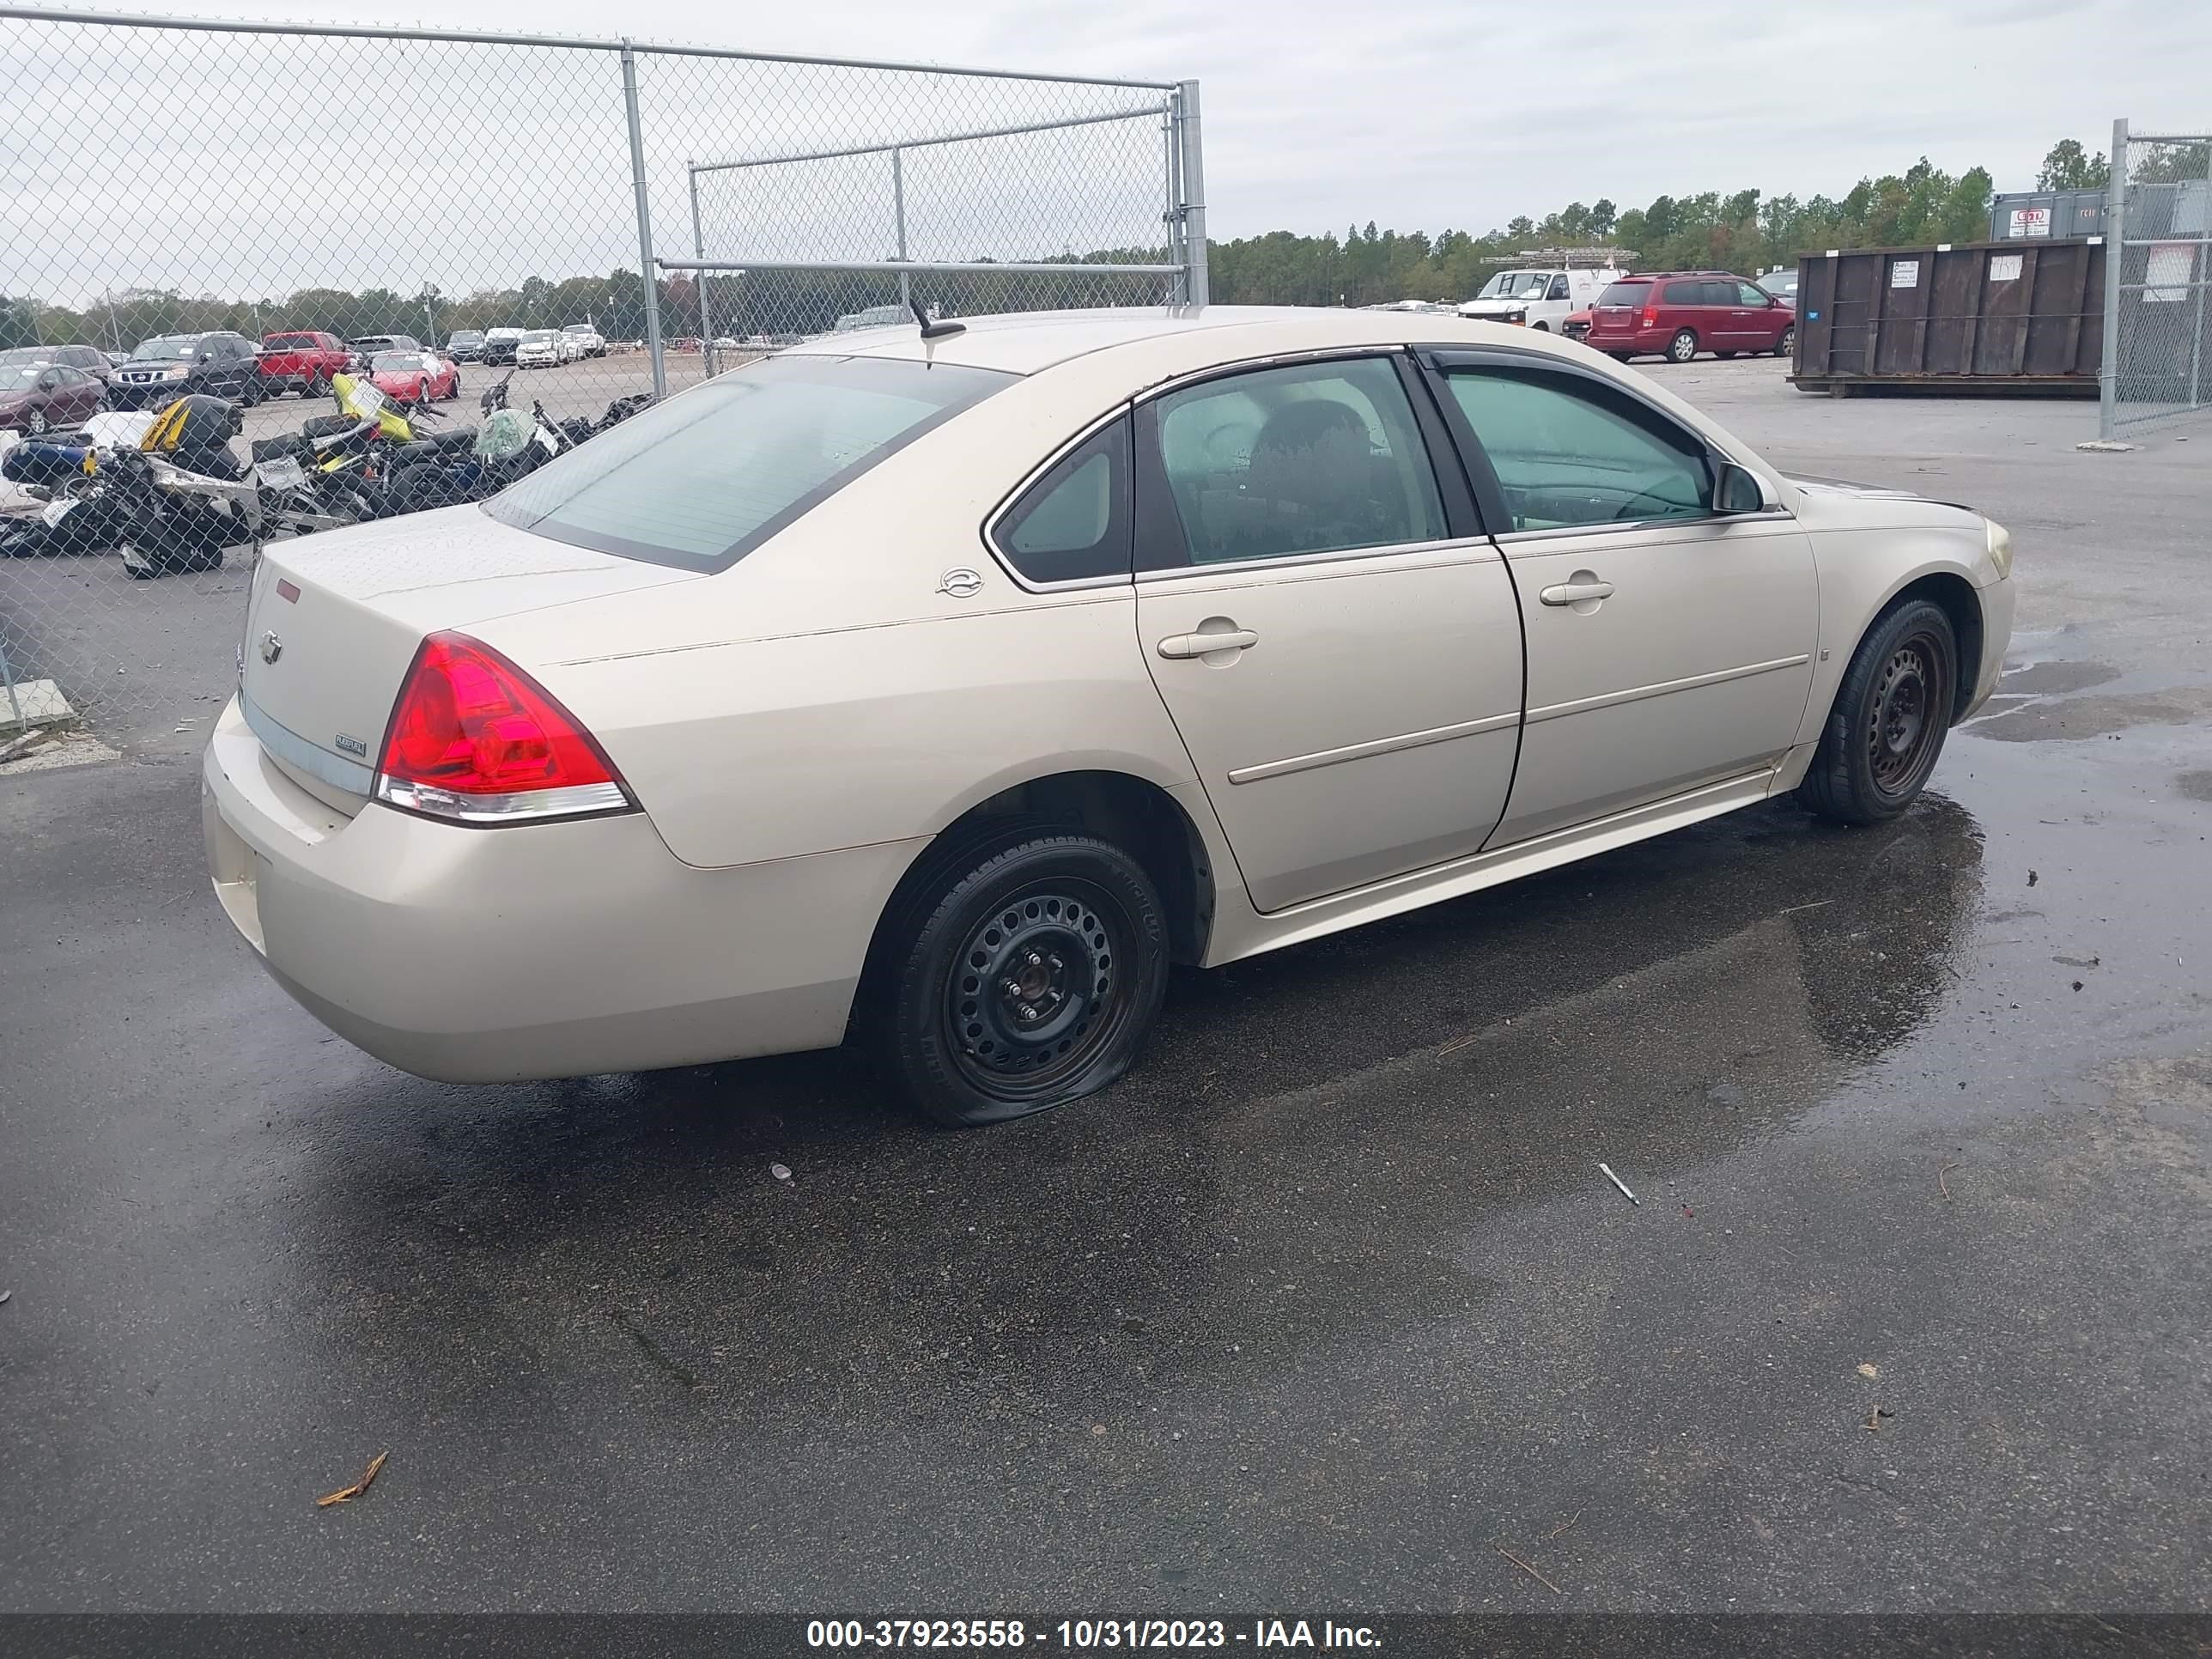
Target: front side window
[[1568, 452], [1280, 463], [1559, 288], [1073, 523], [700, 481], [1750, 295]]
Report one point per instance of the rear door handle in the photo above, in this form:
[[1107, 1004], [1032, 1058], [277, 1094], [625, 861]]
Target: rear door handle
[[1205, 645], [1576, 593]]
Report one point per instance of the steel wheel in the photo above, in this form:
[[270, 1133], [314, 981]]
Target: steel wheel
[[1038, 991], [1013, 980], [1885, 730], [1901, 735]]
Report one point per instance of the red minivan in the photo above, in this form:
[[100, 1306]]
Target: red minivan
[[1678, 313]]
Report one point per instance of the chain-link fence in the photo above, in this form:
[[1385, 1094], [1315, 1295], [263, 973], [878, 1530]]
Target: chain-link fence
[[2157, 326], [250, 212]]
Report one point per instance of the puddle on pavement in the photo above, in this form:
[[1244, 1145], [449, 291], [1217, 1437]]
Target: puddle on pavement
[[2045, 677], [2094, 717]]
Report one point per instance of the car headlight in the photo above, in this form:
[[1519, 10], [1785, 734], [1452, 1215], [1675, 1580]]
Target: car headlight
[[2000, 541], [175, 373]]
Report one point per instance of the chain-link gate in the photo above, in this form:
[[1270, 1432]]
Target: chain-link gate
[[250, 212], [2158, 276]]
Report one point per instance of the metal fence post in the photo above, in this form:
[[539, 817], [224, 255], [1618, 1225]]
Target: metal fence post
[[699, 251], [898, 215], [1190, 151], [2116, 253], [644, 265], [15, 703], [2200, 259]]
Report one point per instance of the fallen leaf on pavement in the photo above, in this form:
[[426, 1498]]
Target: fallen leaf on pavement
[[1869, 1371], [345, 1494]]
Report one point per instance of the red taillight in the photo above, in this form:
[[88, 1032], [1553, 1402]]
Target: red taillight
[[1651, 316], [475, 739]]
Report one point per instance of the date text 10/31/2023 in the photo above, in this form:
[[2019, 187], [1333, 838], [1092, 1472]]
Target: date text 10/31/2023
[[1088, 1634]]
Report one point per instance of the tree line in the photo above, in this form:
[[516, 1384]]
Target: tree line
[[1746, 231]]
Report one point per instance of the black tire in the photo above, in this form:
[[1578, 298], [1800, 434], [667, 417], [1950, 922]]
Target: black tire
[[1620, 356], [1724, 356], [1683, 346], [1885, 729], [318, 386], [1019, 978], [1786, 342], [1541, 328]]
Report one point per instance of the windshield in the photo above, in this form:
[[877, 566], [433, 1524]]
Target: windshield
[[1515, 285], [539, 335], [580, 328], [700, 481], [168, 345], [395, 362]]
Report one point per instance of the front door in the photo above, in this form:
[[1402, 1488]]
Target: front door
[[1339, 648], [1669, 645]]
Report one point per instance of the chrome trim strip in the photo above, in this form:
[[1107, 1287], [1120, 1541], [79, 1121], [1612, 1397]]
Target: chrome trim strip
[[1638, 693], [294, 750], [1467, 549], [1353, 751], [1765, 516]]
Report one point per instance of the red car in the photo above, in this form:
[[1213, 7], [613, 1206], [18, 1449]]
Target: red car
[[303, 361], [38, 394], [415, 377], [1676, 314]]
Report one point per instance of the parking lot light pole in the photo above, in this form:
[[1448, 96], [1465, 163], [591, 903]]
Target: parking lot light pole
[[645, 263]]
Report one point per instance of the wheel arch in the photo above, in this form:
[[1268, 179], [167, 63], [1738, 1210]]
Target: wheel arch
[[1133, 812], [1958, 599]]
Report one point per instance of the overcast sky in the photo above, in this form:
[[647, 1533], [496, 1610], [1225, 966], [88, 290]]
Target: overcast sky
[[1428, 113]]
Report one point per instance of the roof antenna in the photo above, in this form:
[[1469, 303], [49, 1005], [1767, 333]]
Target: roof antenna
[[934, 331]]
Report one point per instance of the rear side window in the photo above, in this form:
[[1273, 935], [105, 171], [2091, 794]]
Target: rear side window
[[1684, 294], [700, 481], [1073, 523], [1626, 294], [1280, 463]]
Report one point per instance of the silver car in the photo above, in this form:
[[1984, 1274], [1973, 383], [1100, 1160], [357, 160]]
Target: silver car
[[944, 689]]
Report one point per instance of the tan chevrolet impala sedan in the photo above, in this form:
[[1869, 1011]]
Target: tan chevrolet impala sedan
[[942, 692]]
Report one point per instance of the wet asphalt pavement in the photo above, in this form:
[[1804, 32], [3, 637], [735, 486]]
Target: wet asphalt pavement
[[1321, 1307]]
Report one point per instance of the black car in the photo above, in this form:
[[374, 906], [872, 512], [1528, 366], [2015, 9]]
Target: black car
[[221, 364], [465, 345]]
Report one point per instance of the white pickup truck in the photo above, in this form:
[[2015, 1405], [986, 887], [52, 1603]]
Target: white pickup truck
[[1538, 297]]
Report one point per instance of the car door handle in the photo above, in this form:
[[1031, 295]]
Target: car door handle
[[1576, 593], [1205, 645]]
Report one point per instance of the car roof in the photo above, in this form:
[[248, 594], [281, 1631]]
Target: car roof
[[1026, 343]]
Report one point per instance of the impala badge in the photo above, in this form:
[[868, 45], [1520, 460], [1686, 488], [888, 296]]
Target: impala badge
[[961, 583], [272, 646]]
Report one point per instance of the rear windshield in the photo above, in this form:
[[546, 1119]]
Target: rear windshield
[[700, 481], [1624, 294]]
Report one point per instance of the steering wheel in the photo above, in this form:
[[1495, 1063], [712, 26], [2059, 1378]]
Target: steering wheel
[[1624, 514]]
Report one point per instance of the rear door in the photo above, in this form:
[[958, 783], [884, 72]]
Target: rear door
[[1669, 647], [1336, 641]]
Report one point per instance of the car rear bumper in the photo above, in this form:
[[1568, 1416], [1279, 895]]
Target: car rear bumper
[[551, 949]]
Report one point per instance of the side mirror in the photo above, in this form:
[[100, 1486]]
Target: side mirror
[[1737, 491]]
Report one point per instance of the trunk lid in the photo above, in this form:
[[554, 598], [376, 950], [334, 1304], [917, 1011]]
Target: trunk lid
[[333, 621]]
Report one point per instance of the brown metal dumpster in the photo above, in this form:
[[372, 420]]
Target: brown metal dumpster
[[2017, 316]]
